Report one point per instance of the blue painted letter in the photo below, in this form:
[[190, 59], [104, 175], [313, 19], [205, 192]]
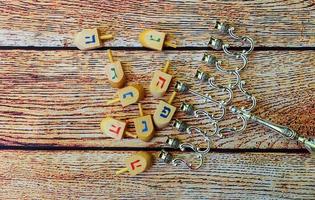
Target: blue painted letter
[[145, 129], [165, 112], [127, 94], [87, 41]]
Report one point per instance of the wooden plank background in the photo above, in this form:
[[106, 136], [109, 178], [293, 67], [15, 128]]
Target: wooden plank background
[[53, 98], [89, 175], [271, 23], [58, 98]]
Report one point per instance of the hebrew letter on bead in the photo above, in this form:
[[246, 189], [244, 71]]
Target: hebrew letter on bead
[[133, 164], [127, 94], [145, 126], [116, 129], [114, 73], [165, 112], [87, 41], [162, 81]]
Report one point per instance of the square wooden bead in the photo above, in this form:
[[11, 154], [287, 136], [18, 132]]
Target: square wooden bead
[[113, 128], [88, 39], [152, 39], [144, 127], [163, 114], [130, 94], [115, 74], [160, 83]]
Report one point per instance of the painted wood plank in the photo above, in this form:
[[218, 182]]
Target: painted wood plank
[[53, 23], [90, 175], [58, 98]]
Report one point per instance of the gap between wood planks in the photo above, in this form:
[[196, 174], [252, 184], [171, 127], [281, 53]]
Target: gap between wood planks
[[223, 150], [191, 48]]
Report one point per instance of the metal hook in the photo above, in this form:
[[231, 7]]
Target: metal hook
[[237, 69], [166, 157], [204, 77], [218, 44], [226, 28], [189, 109], [183, 127], [212, 60], [244, 52], [248, 95], [184, 88], [233, 130], [201, 75]]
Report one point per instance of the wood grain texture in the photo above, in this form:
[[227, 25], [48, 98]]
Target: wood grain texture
[[57, 98], [90, 175], [53, 23]]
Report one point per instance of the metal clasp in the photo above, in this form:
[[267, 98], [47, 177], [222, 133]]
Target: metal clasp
[[226, 28], [174, 143], [183, 127]]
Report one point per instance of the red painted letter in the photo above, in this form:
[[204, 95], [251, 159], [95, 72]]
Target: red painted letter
[[116, 131], [134, 163], [161, 79]]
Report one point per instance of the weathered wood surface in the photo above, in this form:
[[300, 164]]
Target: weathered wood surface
[[90, 175], [53, 23], [57, 98]]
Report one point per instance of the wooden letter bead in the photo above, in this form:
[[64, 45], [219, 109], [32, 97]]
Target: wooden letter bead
[[163, 114], [160, 83], [152, 39], [87, 39], [144, 127], [90, 39], [113, 128], [138, 163], [115, 74], [130, 94]]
